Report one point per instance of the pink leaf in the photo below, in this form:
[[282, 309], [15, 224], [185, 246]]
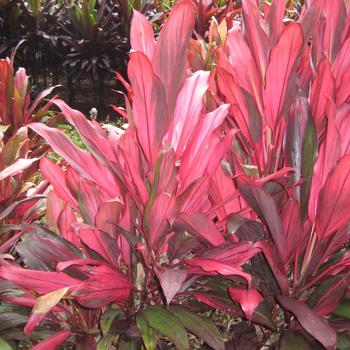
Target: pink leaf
[[83, 162], [322, 89], [141, 35], [52, 342], [248, 298], [55, 175], [171, 281], [187, 111], [97, 142], [239, 56], [275, 19], [16, 168], [149, 106], [101, 243], [169, 59], [255, 35]]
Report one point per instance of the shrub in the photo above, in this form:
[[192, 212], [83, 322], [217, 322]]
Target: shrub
[[229, 187]]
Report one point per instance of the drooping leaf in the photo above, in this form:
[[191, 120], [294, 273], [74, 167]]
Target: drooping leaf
[[314, 324], [16, 168], [4, 345], [291, 341], [149, 336], [52, 342], [42, 306], [262, 202], [171, 281], [78, 158], [202, 327], [249, 299], [42, 282], [168, 325], [199, 225], [343, 309]]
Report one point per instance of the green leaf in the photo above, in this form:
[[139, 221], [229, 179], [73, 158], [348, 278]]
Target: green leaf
[[128, 344], [168, 325], [107, 319], [106, 342], [343, 341], [343, 309], [10, 320], [4, 345], [200, 326], [149, 336], [293, 341]]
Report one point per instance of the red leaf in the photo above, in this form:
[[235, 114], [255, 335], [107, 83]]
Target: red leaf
[[42, 282], [264, 205], [292, 226], [106, 285], [214, 267], [52, 342], [336, 19], [199, 225], [329, 154], [248, 298], [280, 71], [311, 322], [197, 158], [101, 243], [333, 209]]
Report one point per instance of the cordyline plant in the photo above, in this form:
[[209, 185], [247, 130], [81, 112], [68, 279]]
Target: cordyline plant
[[21, 197], [290, 160], [230, 186], [133, 213]]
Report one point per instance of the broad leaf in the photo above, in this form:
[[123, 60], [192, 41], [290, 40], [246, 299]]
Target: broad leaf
[[314, 324], [149, 336], [202, 327], [168, 325]]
